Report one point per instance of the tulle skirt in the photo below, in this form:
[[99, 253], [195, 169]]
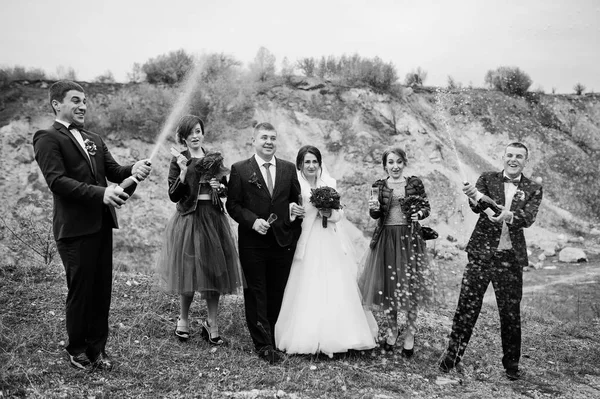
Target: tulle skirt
[[322, 310], [395, 273], [199, 254]]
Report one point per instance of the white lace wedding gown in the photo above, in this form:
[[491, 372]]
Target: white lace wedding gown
[[322, 308]]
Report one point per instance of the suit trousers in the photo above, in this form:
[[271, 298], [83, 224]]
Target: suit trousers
[[88, 267], [266, 271], [506, 276]]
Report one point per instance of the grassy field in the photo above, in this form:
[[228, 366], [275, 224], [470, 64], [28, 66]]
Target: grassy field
[[561, 341]]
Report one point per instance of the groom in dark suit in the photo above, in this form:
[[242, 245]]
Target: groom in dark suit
[[76, 164], [258, 187], [497, 253]]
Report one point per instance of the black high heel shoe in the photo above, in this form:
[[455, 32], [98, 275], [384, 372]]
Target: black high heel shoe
[[181, 332], [389, 347], [216, 341]]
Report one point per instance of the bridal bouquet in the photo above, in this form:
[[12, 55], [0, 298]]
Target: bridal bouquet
[[211, 167], [325, 198]]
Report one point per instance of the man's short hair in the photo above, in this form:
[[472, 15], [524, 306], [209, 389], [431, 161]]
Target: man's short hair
[[264, 126], [516, 144], [59, 90]]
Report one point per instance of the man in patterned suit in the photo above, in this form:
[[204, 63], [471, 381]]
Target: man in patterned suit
[[497, 253]]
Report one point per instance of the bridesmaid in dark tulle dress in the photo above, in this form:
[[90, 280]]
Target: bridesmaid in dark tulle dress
[[198, 253]]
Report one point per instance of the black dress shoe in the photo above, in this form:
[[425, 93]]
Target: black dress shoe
[[102, 362], [514, 374], [270, 355], [80, 361], [447, 364]]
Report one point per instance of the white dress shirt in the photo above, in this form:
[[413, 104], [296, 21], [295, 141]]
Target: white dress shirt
[[263, 170], [77, 134], [509, 192]]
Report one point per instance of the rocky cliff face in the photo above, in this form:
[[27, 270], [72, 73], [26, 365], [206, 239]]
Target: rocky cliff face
[[449, 137]]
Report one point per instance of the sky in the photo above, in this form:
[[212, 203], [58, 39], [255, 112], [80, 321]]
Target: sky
[[554, 42]]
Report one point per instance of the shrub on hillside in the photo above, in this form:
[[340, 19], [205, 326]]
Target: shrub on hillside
[[106, 77], [136, 75], [352, 70], [168, 68], [416, 77], [509, 80], [138, 111], [65, 73], [29, 228], [9, 74], [453, 84], [579, 89], [224, 96]]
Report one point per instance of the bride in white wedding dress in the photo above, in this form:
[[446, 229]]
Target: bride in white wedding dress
[[322, 309]]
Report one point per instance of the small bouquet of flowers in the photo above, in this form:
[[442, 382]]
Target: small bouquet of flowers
[[325, 198], [519, 195], [411, 204], [211, 167]]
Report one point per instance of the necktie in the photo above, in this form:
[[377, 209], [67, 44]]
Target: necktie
[[267, 165], [75, 126], [513, 181]]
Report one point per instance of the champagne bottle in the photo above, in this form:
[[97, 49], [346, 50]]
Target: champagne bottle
[[130, 184], [489, 206]]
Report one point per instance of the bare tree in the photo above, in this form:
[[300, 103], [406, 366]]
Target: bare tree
[[307, 66], [263, 66]]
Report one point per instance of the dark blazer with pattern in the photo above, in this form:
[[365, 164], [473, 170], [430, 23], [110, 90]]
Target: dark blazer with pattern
[[186, 193], [249, 199], [76, 182], [414, 186], [486, 235]]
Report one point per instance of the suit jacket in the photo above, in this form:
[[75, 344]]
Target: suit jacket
[[77, 182], [414, 186], [186, 193], [249, 199], [486, 236]]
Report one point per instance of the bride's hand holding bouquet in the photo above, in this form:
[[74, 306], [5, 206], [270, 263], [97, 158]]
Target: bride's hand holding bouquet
[[325, 199]]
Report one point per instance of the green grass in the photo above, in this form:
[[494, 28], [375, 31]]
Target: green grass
[[560, 355]]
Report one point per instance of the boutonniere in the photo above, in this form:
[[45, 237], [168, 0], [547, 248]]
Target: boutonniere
[[254, 180], [90, 146], [519, 195]]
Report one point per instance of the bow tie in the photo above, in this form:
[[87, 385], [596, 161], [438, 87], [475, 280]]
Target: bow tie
[[509, 180], [75, 126]]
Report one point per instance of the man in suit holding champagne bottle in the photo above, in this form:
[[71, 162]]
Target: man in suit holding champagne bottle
[[76, 165], [507, 202]]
